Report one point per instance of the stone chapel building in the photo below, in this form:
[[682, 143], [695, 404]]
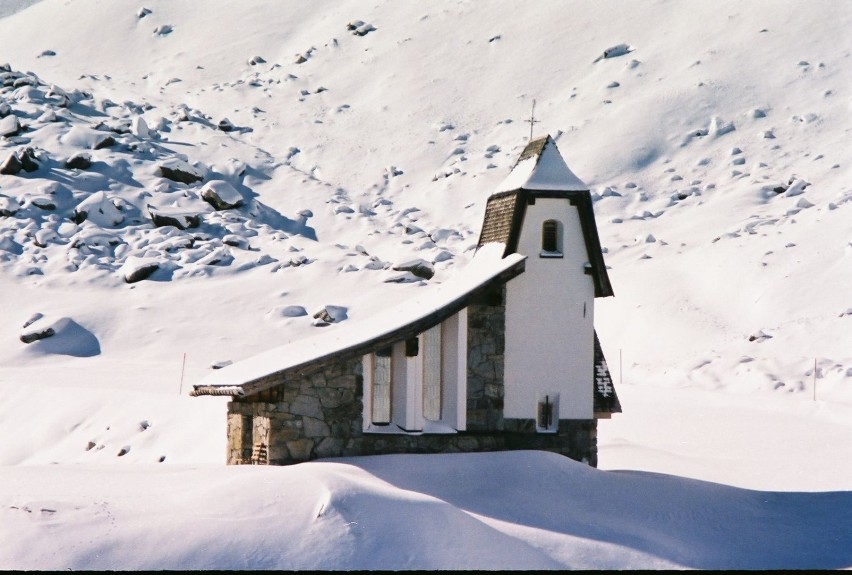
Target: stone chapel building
[[502, 356]]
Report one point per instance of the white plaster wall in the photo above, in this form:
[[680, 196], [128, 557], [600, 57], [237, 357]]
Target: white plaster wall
[[454, 371], [549, 341]]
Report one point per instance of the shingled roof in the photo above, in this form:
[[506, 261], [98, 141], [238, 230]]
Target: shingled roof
[[605, 398]]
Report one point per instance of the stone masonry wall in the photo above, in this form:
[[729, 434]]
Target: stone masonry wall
[[486, 321], [320, 415]]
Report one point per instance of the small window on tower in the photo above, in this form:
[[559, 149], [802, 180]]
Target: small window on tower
[[551, 239]]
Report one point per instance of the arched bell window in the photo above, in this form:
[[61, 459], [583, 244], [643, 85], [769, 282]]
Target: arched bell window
[[551, 239]]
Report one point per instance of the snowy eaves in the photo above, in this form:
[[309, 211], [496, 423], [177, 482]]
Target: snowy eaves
[[357, 338]]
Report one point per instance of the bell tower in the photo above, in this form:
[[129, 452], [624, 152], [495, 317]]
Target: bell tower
[[543, 211]]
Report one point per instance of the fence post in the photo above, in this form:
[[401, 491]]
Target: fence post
[[182, 369]]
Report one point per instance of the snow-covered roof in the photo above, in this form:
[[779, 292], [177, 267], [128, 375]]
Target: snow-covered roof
[[338, 342], [541, 167]]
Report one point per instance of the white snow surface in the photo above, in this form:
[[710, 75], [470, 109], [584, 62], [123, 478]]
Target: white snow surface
[[719, 129]]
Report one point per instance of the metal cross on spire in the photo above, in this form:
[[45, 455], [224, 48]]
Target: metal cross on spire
[[532, 121]]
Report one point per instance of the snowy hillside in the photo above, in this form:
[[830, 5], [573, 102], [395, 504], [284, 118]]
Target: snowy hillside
[[309, 150]]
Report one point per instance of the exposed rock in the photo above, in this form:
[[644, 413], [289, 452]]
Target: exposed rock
[[330, 314], [218, 257], [615, 51], [44, 236], [33, 318], [135, 269], [99, 209], [11, 166], [63, 337], [43, 203], [759, 336], [106, 141], [8, 206], [236, 241], [419, 267], [359, 28], [28, 160], [226, 125], [9, 126], [35, 335], [79, 161], [179, 171], [256, 60], [405, 278], [221, 195], [142, 12], [174, 217]]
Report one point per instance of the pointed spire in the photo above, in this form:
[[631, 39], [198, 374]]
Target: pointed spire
[[541, 167]]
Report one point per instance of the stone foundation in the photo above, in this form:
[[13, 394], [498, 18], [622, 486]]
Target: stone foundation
[[320, 416]]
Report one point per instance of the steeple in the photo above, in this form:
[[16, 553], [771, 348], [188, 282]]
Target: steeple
[[541, 167]]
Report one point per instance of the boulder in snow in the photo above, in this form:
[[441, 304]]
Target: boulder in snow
[[221, 195], [615, 51], [179, 171], [419, 267], [11, 166], [100, 210], [226, 125], [330, 314], [8, 206], [136, 269], [360, 28], [79, 161], [181, 219], [63, 336], [9, 126]]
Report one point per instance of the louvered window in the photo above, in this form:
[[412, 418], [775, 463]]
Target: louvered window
[[382, 369], [432, 374], [551, 239]]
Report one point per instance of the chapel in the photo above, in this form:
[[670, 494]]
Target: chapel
[[502, 356]]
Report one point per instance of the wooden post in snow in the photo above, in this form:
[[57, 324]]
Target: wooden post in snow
[[182, 369]]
